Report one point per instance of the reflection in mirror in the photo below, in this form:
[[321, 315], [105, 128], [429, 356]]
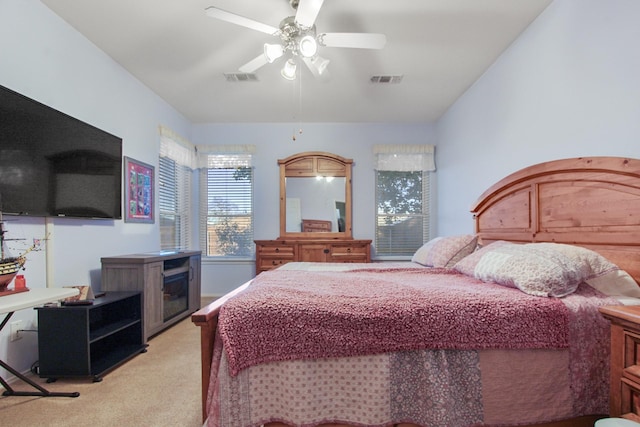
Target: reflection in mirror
[[294, 215], [341, 213], [321, 199]]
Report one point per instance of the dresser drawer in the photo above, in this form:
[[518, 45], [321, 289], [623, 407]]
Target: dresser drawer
[[624, 395], [349, 250], [281, 251], [269, 263], [630, 398], [315, 225], [349, 253], [273, 254], [631, 368], [630, 381]]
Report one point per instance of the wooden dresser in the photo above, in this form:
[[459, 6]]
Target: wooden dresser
[[325, 235], [274, 253], [625, 361]]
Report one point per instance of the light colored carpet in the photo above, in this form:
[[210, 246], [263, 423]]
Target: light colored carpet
[[158, 388]]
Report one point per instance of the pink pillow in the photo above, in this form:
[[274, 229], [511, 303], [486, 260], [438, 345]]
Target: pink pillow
[[445, 251]]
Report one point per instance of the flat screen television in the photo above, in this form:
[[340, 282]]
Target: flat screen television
[[53, 165]]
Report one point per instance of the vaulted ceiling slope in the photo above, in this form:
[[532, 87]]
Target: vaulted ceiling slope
[[435, 50]]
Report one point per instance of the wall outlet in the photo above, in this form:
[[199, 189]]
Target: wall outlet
[[15, 327]]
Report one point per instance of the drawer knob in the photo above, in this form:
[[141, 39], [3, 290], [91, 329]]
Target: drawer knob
[[277, 250], [326, 251]]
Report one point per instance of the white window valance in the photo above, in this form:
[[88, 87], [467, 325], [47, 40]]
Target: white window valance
[[404, 157], [225, 156], [177, 148]]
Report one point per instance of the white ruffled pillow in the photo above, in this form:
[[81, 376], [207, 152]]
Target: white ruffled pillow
[[617, 284]]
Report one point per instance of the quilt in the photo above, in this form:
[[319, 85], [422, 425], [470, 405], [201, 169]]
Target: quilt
[[437, 380]]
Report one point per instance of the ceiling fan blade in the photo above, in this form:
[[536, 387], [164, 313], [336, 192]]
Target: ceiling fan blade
[[254, 64], [223, 15], [354, 40], [308, 12], [318, 67]]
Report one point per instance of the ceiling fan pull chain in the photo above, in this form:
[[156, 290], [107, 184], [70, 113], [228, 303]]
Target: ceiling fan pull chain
[[300, 106], [293, 110]]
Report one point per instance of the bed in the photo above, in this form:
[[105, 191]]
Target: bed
[[428, 363]]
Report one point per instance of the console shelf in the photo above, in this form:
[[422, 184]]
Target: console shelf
[[169, 282], [90, 340]]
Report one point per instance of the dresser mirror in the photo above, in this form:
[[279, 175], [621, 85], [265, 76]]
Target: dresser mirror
[[315, 196], [317, 199]]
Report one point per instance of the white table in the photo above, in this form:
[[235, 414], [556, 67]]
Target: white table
[[9, 304]]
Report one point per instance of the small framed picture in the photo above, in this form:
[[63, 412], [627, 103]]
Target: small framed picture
[[138, 194]]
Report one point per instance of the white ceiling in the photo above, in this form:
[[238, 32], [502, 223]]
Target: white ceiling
[[440, 47]]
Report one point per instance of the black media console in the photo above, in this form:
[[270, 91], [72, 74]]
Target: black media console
[[90, 340]]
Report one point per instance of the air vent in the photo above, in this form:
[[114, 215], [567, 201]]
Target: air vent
[[240, 77], [386, 79]]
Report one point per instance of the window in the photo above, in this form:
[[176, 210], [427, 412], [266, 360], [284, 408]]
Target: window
[[402, 198], [226, 205], [174, 190]]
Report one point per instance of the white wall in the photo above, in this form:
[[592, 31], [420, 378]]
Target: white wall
[[568, 87], [47, 60]]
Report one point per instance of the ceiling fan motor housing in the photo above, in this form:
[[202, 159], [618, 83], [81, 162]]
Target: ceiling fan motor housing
[[301, 41]]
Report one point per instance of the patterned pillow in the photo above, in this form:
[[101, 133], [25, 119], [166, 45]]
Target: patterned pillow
[[445, 251], [604, 275], [535, 270], [467, 265], [596, 263], [548, 269]]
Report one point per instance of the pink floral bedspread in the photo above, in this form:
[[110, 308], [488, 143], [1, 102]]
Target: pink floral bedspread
[[490, 386]]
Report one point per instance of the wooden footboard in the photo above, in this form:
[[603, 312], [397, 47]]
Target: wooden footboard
[[207, 319]]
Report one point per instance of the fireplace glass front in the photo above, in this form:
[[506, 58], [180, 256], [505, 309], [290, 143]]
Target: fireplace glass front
[[176, 295]]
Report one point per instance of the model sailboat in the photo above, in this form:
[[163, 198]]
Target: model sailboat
[[9, 266]]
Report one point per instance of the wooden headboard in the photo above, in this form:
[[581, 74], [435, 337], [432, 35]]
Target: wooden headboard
[[587, 201]]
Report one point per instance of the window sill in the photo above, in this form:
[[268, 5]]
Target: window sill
[[228, 260]]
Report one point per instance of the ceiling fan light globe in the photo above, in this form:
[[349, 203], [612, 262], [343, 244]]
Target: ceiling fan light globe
[[307, 46], [273, 51], [289, 70]]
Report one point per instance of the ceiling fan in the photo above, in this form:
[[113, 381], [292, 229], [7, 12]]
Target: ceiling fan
[[298, 39]]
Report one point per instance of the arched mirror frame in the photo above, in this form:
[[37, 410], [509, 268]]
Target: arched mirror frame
[[313, 164]]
